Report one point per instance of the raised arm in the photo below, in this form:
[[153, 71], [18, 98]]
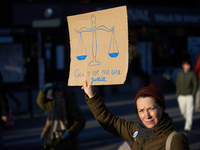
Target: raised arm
[[88, 89], [107, 120]]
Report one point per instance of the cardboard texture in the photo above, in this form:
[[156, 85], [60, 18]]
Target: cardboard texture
[[99, 47]]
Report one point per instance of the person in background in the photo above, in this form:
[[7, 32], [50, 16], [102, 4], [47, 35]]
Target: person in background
[[197, 71], [186, 86], [153, 128], [65, 120], [4, 110]]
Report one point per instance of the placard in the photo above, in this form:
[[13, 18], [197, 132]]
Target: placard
[[99, 47]]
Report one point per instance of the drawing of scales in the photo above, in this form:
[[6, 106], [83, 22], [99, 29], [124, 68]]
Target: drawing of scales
[[81, 50]]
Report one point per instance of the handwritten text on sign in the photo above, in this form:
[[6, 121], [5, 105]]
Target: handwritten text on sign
[[97, 75]]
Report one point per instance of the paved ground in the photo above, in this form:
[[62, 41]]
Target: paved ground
[[26, 132]]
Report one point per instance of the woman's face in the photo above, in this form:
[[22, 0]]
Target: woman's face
[[149, 111]]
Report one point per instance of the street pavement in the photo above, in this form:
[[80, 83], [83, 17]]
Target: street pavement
[[119, 100]]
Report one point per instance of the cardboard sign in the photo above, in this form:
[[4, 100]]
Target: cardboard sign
[[99, 47]]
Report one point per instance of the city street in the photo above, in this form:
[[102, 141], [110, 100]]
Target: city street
[[130, 43], [26, 132]]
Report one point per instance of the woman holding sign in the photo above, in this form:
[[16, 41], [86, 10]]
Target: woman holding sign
[[155, 129]]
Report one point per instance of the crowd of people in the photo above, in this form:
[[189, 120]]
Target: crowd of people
[[154, 130]]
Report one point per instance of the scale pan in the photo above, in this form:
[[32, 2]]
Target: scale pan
[[113, 54], [81, 57]]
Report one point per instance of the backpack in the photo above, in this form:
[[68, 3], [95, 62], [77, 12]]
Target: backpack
[[169, 140]]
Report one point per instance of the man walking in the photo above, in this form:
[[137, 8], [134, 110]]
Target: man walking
[[186, 86]]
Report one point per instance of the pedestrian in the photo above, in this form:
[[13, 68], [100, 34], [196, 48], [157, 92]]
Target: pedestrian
[[154, 125], [65, 119], [4, 111], [197, 71], [186, 86]]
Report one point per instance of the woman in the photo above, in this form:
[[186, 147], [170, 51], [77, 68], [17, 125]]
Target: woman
[[64, 121], [153, 128]]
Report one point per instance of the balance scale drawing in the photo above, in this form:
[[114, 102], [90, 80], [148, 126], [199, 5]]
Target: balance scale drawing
[[113, 51]]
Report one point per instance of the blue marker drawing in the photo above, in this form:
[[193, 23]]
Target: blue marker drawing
[[98, 79], [81, 50]]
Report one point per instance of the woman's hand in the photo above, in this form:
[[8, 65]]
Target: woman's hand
[[88, 89]]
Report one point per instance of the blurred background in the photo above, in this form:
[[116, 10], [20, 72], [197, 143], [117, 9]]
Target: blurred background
[[35, 49]]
